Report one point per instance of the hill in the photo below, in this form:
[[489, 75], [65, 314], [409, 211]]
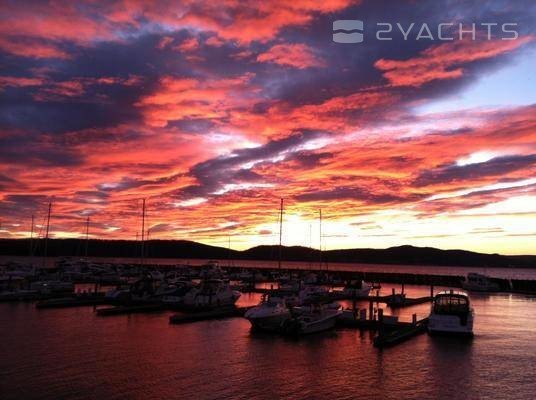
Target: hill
[[405, 255]]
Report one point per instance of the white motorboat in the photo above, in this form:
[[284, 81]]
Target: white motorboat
[[451, 314], [311, 294], [173, 296], [269, 315], [211, 293], [315, 319], [356, 289], [480, 283], [143, 290]]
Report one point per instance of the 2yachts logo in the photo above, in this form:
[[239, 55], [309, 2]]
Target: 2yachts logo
[[348, 26], [353, 31]]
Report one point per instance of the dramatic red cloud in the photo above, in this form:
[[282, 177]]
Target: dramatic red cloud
[[186, 98], [187, 45], [212, 111], [444, 61], [31, 48], [296, 55], [20, 82], [238, 21]]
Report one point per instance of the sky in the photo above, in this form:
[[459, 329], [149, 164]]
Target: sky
[[213, 111]]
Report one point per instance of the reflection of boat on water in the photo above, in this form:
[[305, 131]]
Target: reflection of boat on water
[[451, 314], [269, 315], [480, 283], [316, 318]]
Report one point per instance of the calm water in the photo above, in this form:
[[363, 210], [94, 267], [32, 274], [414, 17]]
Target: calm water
[[72, 353], [505, 273]]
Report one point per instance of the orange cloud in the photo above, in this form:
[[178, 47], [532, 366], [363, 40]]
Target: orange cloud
[[187, 45], [31, 48], [296, 55], [444, 61], [20, 82], [187, 98]]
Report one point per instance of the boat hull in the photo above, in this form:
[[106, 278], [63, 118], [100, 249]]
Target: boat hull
[[270, 323], [318, 326], [450, 325]]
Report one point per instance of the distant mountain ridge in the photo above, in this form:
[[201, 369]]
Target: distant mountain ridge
[[401, 255]]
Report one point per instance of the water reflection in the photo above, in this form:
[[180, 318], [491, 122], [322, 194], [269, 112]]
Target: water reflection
[[72, 353]]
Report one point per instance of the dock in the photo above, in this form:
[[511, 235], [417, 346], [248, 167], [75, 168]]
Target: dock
[[77, 301], [226, 312], [400, 334]]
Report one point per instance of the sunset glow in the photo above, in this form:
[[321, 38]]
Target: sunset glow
[[213, 111]]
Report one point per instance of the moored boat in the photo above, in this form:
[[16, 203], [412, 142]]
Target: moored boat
[[480, 283], [211, 293], [451, 314], [316, 318], [269, 315]]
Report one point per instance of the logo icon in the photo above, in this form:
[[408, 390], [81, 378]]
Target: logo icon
[[348, 31]]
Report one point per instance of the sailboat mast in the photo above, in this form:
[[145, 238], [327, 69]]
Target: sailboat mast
[[229, 253], [143, 232], [280, 233], [45, 251], [320, 237], [87, 235], [31, 236]]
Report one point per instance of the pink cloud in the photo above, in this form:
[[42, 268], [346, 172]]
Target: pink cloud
[[444, 61], [296, 55]]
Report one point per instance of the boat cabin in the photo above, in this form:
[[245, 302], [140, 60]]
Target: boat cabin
[[451, 303]]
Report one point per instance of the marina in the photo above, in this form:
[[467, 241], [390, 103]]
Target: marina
[[177, 358], [265, 200]]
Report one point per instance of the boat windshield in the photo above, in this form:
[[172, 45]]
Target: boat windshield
[[451, 304]]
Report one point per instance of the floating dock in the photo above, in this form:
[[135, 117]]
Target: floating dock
[[226, 312], [78, 301], [400, 334]]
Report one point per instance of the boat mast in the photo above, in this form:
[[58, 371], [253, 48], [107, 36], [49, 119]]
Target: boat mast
[[280, 232], [143, 232], [45, 251], [229, 252], [87, 234], [320, 238], [31, 236]]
